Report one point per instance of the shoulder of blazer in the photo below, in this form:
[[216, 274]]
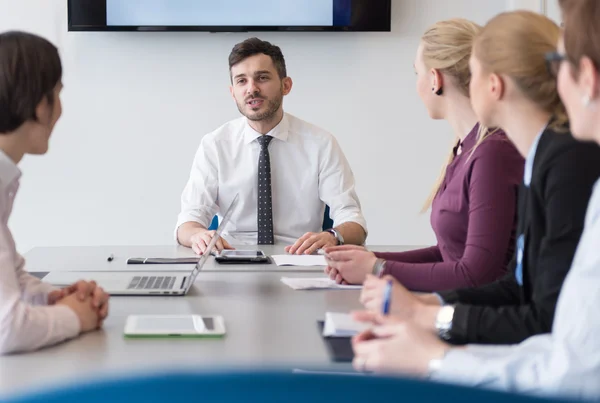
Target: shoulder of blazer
[[553, 143]]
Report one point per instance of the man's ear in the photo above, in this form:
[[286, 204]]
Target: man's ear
[[589, 78], [287, 85], [231, 92], [43, 111]]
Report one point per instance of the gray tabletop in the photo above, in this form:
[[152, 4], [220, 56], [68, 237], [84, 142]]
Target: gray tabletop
[[94, 258], [268, 324]]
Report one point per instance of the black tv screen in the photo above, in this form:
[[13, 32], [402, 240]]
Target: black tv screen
[[229, 15]]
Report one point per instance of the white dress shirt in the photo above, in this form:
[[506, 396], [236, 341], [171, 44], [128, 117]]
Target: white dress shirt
[[308, 170], [566, 362], [26, 322]]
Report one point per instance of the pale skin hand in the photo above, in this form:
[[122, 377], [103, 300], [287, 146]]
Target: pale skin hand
[[309, 243], [199, 242], [349, 263], [86, 313], [405, 305], [373, 291], [82, 290], [197, 237], [397, 348]]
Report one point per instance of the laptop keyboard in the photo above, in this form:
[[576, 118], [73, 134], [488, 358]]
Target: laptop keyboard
[[151, 283]]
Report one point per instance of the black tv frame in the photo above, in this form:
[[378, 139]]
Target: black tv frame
[[100, 26]]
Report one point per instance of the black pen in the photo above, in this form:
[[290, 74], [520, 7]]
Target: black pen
[[111, 257]]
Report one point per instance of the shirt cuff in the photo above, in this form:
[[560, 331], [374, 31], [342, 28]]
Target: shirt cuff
[[67, 321]]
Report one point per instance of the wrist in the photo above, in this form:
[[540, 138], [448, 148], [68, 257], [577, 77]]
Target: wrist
[[436, 360], [338, 239], [426, 316]]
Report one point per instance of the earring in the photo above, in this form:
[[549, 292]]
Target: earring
[[439, 92], [586, 100]]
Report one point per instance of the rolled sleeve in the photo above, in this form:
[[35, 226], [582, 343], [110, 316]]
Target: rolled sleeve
[[199, 197], [337, 186]]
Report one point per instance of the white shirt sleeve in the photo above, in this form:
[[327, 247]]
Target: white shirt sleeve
[[23, 326], [567, 362], [337, 187], [34, 290], [199, 197]]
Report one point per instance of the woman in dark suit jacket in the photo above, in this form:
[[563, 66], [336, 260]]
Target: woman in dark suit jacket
[[511, 89]]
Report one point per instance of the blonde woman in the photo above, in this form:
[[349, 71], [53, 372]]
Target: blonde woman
[[474, 202], [568, 360]]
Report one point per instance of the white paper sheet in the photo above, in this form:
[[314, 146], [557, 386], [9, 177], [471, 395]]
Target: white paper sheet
[[318, 283], [299, 260]]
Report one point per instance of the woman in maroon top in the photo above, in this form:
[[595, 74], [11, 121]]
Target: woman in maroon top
[[474, 204]]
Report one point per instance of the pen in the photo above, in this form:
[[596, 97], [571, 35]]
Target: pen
[[111, 257], [387, 297]]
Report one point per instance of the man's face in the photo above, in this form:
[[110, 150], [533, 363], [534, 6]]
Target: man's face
[[257, 88]]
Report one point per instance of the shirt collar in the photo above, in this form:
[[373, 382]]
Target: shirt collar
[[281, 131], [531, 157], [9, 172]]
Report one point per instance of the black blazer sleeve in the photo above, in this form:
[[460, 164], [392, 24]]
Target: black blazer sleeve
[[566, 188], [505, 291]]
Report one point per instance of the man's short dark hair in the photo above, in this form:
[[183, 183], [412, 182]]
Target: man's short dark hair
[[30, 69], [255, 46]]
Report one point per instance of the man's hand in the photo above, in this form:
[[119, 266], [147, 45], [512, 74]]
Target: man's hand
[[349, 263], [311, 242], [85, 311], [400, 348], [200, 240], [82, 290]]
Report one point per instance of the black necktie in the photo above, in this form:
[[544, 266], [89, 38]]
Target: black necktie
[[265, 201]]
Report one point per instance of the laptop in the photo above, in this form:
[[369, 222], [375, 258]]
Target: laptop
[[166, 283]]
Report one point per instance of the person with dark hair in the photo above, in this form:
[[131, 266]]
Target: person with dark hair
[[33, 314], [565, 362], [285, 170]]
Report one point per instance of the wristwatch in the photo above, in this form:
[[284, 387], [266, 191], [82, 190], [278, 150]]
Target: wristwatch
[[443, 321], [337, 235], [378, 267]]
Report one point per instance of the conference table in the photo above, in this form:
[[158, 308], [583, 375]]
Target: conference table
[[269, 325]]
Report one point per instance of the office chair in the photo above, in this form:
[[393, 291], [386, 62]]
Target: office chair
[[327, 221], [268, 387]]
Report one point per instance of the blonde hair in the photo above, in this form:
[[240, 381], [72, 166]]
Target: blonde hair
[[447, 47], [515, 44]]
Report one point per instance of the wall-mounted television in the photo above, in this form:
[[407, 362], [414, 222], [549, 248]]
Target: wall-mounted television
[[230, 15]]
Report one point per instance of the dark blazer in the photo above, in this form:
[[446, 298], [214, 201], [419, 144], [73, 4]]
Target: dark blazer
[[550, 216]]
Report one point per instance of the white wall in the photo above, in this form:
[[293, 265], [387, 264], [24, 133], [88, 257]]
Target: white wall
[[137, 104]]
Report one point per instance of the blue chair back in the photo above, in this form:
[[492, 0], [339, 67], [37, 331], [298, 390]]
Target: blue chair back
[[327, 221], [267, 387]]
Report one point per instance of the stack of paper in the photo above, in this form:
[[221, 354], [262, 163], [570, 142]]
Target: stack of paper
[[299, 260], [319, 283], [342, 325]]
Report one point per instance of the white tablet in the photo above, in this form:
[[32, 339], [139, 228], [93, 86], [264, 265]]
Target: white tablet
[[140, 326]]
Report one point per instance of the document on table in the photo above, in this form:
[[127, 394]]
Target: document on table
[[316, 283], [342, 325], [299, 260]]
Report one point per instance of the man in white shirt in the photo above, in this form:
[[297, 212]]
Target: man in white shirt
[[285, 170]]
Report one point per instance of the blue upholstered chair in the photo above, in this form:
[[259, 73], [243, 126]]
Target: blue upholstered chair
[[267, 387], [327, 221]]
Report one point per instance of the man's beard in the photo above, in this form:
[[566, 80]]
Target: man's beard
[[272, 108]]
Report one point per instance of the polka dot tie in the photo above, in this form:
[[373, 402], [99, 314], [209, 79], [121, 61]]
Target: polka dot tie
[[265, 201]]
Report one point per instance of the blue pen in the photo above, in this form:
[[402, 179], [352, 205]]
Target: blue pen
[[387, 297]]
